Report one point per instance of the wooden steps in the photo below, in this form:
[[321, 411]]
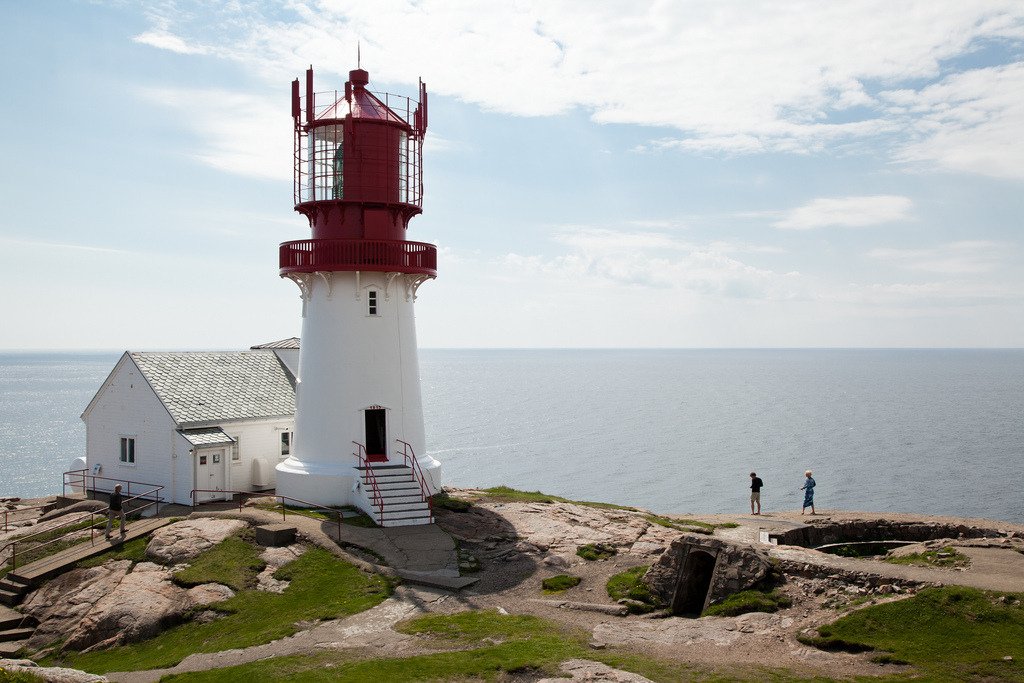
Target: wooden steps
[[35, 573]]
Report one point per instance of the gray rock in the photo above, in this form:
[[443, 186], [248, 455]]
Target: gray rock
[[185, 540]]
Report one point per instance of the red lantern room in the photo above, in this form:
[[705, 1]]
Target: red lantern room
[[358, 180]]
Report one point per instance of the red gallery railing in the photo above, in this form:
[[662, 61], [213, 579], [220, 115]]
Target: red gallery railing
[[417, 472], [395, 256], [370, 479]]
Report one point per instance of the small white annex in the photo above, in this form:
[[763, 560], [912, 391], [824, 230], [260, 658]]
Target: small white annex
[[209, 422]]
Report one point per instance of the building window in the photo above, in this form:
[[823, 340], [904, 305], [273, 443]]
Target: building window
[[236, 450], [286, 444], [216, 458], [128, 450], [371, 302], [202, 459]]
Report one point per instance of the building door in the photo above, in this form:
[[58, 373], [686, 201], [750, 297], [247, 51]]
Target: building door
[[376, 434], [210, 475]]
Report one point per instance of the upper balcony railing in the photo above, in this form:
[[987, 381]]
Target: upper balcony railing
[[390, 256]]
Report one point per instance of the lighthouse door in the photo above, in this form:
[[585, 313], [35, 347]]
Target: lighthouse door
[[376, 434]]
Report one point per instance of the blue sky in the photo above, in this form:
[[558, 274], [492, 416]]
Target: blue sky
[[601, 174]]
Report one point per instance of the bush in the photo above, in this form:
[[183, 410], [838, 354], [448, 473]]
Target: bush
[[629, 585]]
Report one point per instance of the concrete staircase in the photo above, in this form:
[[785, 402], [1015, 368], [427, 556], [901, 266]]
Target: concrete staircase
[[402, 502]]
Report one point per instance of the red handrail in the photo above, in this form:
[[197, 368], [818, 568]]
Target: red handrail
[[370, 477], [308, 256], [417, 472]]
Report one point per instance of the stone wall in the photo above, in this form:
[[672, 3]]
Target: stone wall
[[696, 572], [815, 535]]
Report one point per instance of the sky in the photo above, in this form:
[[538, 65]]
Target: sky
[[670, 173]]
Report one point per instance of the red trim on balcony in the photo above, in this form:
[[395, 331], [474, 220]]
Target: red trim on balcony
[[388, 256]]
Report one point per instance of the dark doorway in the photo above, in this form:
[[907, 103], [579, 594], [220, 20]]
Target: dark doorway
[[376, 434], [694, 582]]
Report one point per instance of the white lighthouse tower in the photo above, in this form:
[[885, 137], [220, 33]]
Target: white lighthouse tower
[[359, 437]]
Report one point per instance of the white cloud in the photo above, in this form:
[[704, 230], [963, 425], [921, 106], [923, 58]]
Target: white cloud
[[955, 258], [167, 41], [848, 212], [63, 246], [237, 133], [971, 122], [735, 77]]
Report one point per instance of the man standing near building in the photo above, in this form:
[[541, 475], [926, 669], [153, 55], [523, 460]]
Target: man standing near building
[[116, 508], [755, 492]]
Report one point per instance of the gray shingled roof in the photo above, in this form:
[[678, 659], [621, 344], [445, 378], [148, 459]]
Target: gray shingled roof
[[211, 436], [289, 343], [201, 387]]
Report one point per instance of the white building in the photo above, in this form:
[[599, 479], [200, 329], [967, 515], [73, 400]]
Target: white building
[[212, 422]]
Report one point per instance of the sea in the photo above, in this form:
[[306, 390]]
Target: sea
[[937, 432]]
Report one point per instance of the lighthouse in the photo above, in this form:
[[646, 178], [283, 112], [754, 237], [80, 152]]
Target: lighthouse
[[359, 436]]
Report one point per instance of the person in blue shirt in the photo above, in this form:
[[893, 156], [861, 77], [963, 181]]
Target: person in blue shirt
[[808, 489]]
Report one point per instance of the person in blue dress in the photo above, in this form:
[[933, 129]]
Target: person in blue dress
[[808, 489]]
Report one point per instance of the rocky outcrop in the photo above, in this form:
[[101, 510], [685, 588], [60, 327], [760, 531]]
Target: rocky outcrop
[[586, 670], [185, 540], [112, 604], [50, 674], [275, 559], [698, 571]]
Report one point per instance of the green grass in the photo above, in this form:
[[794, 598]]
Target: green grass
[[19, 677], [559, 583], [505, 494], [441, 500], [629, 586], [949, 634], [596, 551], [748, 601], [930, 558], [322, 587], [690, 525], [476, 646], [134, 550], [233, 562]]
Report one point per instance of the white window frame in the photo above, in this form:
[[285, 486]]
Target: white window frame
[[236, 451], [288, 436], [126, 456]]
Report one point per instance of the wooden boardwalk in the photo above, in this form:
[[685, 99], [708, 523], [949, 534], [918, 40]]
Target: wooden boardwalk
[[34, 573]]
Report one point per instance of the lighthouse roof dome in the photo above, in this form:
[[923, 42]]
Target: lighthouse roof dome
[[361, 103]]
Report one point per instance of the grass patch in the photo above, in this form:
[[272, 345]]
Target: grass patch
[[940, 557], [322, 587], [596, 551], [951, 633], [689, 525], [748, 601], [559, 583], [628, 585], [505, 494], [19, 677], [441, 500], [502, 647], [233, 562], [134, 550]]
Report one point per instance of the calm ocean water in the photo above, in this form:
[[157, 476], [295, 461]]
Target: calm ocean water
[[931, 431]]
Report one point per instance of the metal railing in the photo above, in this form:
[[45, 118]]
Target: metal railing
[[243, 495], [82, 479], [307, 256], [417, 473], [152, 495], [10, 513], [370, 479]]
